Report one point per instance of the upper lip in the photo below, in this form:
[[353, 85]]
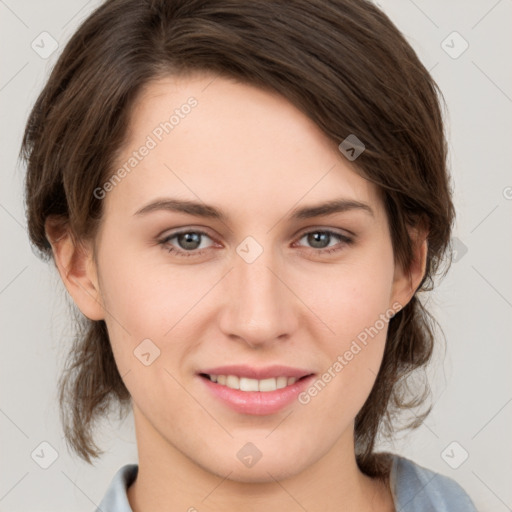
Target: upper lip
[[257, 373]]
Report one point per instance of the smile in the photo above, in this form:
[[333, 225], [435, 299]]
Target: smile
[[247, 384], [255, 396]]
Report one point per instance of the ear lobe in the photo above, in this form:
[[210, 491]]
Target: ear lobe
[[406, 282], [76, 267]]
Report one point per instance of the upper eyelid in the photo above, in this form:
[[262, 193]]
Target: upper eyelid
[[336, 231]]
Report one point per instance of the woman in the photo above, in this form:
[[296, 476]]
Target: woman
[[244, 200]]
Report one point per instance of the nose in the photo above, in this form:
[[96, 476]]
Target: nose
[[260, 307]]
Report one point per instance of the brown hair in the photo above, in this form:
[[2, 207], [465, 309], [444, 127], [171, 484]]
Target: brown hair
[[341, 62]]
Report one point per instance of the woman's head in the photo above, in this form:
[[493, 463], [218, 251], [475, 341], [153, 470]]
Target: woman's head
[[240, 106]]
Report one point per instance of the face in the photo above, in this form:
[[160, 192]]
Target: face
[[242, 278]]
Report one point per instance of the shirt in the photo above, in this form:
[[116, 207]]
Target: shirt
[[413, 487]]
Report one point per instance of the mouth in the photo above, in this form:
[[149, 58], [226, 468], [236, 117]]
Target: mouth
[[247, 384], [259, 397]]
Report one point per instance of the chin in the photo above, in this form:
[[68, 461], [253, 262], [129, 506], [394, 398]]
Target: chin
[[266, 467]]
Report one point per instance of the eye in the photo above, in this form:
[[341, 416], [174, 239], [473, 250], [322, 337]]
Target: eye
[[320, 239], [189, 243]]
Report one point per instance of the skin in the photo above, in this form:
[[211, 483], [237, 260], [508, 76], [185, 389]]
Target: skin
[[254, 155]]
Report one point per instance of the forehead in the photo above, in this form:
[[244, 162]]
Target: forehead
[[215, 140]]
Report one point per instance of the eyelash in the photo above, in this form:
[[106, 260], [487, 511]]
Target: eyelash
[[181, 253]]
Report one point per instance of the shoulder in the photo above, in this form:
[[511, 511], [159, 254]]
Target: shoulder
[[416, 488], [116, 498]]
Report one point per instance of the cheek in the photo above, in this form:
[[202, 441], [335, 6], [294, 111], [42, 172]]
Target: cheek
[[144, 300], [150, 311], [355, 305], [352, 297], [147, 292]]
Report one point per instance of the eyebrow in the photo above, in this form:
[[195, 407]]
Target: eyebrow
[[207, 211]]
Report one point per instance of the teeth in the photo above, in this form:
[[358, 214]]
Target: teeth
[[245, 384]]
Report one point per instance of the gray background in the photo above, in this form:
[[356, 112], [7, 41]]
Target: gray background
[[472, 383]]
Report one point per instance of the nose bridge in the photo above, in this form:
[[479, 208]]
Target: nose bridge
[[260, 308]]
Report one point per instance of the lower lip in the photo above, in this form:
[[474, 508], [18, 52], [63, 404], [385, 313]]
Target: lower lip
[[258, 403]]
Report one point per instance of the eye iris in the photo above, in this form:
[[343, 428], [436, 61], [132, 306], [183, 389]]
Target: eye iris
[[318, 237], [189, 238]]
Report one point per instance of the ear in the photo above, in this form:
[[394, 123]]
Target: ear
[[77, 269], [406, 282]]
